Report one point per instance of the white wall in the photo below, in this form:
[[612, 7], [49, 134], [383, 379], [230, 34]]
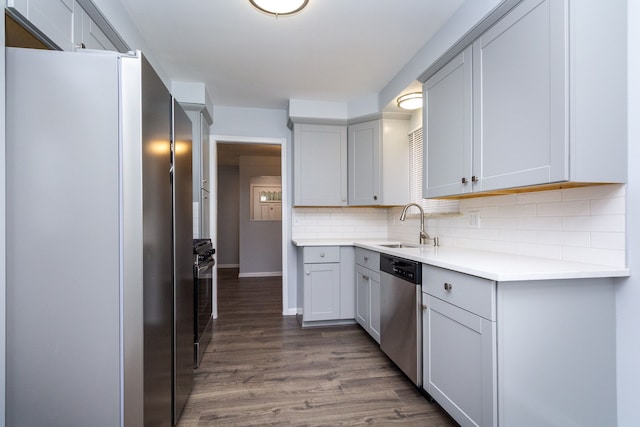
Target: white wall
[[628, 291], [260, 241], [228, 249]]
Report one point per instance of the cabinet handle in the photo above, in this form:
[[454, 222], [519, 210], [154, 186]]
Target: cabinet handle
[[464, 180], [365, 277], [204, 181], [205, 197], [81, 46], [366, 258], [424, 307], [321, 254], [375, 197], [474, 179], [307, 272], [447, 286]]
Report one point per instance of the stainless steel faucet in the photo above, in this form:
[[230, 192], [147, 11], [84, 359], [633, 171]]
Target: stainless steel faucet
[[423, 234]]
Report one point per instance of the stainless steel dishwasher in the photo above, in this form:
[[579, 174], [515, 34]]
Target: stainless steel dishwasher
[[400, 314]]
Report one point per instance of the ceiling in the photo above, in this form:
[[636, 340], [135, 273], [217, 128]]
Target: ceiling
[[334, 50]]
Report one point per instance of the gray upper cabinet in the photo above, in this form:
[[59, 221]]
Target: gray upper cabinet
[[525, 105], [52, 19], [378, 154], [200, 124], [519, 99], [64, 24], [320, 165], [86, 33], [447, 128]]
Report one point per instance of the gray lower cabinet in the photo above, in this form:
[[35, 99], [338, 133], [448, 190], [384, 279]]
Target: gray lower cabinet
[[368, 291], [327, 287], [459, 345], [522, 353]]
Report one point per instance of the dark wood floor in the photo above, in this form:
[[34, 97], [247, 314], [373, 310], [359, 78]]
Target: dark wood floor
[[261, 369]]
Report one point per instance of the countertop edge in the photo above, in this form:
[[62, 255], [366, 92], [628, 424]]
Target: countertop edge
[[474, 262]]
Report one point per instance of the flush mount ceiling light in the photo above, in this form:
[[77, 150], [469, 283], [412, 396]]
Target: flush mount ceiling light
[[410, 101], [279, 7]]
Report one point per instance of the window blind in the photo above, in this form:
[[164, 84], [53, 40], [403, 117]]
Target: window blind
[[433, 206]]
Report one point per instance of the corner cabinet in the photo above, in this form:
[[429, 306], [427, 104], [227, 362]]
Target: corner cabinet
[[378, 168], [525, 104], [522, 353], [320, 165]]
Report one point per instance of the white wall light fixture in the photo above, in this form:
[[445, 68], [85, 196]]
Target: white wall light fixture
[[410, 101], [279, 7]]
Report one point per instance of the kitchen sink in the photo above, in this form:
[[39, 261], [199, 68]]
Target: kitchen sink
[[399, 245]]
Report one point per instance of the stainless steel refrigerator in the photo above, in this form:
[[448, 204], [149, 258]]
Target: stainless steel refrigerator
[[99, 257]]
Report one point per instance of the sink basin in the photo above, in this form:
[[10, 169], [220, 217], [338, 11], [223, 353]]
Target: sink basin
[[399, 245]]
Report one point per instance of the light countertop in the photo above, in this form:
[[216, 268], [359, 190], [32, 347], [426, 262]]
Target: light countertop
[[489, 265]]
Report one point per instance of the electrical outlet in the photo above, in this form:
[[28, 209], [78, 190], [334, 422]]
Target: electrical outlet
[[474, 219]]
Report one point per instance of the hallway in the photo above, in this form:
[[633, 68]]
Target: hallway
[[262, 369]]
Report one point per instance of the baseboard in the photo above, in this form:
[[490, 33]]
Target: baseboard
[[261, 274], [228, 265], [290, 312]]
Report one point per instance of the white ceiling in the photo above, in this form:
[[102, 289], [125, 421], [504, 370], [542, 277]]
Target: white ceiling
[[334, 50]]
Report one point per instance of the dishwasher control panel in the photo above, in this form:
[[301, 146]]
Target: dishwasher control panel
[[406, 269]]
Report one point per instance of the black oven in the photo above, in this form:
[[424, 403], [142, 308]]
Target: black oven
[[202, 279]]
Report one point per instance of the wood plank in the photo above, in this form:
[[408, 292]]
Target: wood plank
[[262, 369]]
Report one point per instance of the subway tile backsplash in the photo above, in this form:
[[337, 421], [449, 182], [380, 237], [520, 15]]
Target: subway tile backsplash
[[339, 223], [581, 224]]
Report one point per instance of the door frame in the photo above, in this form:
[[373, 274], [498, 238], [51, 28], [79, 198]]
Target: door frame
[[213, 205]]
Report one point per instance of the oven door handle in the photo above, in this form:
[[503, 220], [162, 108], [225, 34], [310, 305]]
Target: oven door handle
[[205, 269]]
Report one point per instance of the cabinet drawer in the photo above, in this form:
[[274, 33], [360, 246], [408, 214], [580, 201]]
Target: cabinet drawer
[[470, 293], [321, 254], [368, 259]]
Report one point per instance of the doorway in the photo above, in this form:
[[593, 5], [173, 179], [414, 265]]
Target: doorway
[[237, 209]]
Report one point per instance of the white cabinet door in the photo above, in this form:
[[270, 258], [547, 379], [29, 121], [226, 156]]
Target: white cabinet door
[[320, 165], [520, 113], [321, 291], [374, 308], [459, 362], [86, 33], [448, 135], [364, 163], [52, 18], [362, 297]]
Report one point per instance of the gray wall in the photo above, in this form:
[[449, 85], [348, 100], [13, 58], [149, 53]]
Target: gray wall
[[260, 241], [228, 249], [264, 123]]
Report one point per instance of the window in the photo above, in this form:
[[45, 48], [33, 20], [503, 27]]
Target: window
[[415, 179]]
